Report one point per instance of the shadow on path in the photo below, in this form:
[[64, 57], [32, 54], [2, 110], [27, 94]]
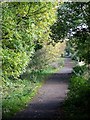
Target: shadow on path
[[49, 98]]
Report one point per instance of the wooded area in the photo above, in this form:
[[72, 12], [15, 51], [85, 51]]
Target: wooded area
[[36, 36]]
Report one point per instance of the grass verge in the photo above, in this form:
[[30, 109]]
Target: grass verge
[[18, 93]]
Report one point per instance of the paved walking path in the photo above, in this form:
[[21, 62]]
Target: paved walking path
[[50, 96]]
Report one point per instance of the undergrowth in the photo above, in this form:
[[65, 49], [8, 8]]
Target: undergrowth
[[19, 92], [77, 103]]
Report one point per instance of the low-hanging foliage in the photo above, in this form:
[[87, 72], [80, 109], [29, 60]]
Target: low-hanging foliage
[[24, 24], [26, 51], [73, 22]]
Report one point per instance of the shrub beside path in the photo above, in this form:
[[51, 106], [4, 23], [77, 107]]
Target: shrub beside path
[[50, 96]]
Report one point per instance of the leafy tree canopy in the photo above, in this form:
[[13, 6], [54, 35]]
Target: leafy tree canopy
[[73, 21], [25, 28]]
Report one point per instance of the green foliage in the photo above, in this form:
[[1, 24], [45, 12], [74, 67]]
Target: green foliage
[[26, 50], [77, 104], [24, 24], [13, 63], [17, 93], [46, 57], [71, 17], [80, 70]]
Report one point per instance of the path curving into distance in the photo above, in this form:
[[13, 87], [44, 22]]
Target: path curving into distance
[[50, 96]]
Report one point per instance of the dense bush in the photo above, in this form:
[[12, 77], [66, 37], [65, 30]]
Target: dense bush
[[24, 24], [14, 63], [77, 104], [16, 94], [80, 70]]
